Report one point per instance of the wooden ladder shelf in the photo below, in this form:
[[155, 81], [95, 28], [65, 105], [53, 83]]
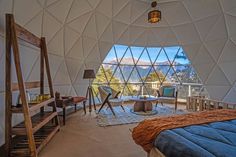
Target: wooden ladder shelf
[[29, 137]]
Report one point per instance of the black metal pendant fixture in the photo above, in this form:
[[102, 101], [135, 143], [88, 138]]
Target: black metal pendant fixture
[[154, 16]]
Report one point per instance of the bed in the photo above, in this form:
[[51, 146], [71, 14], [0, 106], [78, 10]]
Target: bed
[[206, 138]]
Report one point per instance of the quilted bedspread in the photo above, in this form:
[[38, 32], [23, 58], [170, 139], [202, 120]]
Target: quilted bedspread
[[217, 139]]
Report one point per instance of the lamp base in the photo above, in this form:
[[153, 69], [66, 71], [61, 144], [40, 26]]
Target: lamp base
[[90, 98]]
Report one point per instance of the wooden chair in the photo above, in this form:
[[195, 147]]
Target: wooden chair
[[167, 94], [110, 96]]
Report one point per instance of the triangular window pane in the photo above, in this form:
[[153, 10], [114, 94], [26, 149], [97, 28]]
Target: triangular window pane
[[128, 58], [111, 57], [143, 71], [126, 71], [162, 58], [181, 58], [120, 51], [171, 52], [109, 70], [134, 77], [136, 51], [119, 75], [144, 58], [153, 53]]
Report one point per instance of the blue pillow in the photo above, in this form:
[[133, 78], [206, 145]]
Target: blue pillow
[[168, 92]]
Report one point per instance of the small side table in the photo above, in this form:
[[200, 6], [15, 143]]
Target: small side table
[[79, 99]]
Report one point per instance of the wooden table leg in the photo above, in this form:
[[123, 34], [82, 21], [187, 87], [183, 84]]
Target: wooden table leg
[[64, 116], [84, 106]]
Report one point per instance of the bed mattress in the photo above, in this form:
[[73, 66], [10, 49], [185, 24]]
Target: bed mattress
[[208, 140]]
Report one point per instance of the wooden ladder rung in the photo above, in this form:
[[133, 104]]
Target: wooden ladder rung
[[38, 121], [28, 85], [33, 106]]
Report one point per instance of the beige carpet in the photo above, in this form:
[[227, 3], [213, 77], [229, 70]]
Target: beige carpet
[[81, 137]]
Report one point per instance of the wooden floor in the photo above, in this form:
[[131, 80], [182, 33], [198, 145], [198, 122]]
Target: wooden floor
[[81, 137]]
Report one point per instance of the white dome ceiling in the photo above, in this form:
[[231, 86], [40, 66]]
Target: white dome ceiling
[[79, 34]]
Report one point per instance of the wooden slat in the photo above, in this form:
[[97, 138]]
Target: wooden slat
[[27, 36], [38, 121], [49, 137], [28, 85], [33, 107], [8, 96], [42, 137]]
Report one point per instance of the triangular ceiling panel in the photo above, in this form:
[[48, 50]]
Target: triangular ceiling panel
[[50, 26], [104, 47], [78, 8], [60, 9], [135, 32], [107, 34], [124, 15], [230, 97], [102, 22], [62, 77], [215, 47], [26, 64], [228, 53], [231, 24], [218, 31], [217, 78], [192, 50], [94, 55], [202, 8], [80, 23], [91, 28], [73, 66], [105, 7], [229, 73], [55, 45], [205, 25], [50, 2], [24, 16], [54, 62], [70, 38], [35, 25], [169, 10], [94, 3], [203, 56], [186, 34], [77, 50], [118, 5], [218, 92], [118, 29], [88, 44], [137, 9]]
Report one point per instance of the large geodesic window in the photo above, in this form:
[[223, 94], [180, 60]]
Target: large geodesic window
[[141, 70]]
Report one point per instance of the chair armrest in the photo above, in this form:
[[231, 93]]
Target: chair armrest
[[158, 93], [106, 99], [176, 95], [116, 96]]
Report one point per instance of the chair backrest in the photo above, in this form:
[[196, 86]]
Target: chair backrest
[[168, 91], [104, 91]]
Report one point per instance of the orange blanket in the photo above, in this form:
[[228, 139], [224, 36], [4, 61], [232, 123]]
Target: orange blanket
[[145, 133]]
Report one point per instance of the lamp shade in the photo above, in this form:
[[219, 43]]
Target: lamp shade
[[89, 74], [154, 16]]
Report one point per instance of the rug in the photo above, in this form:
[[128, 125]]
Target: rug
[[106, 118]]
